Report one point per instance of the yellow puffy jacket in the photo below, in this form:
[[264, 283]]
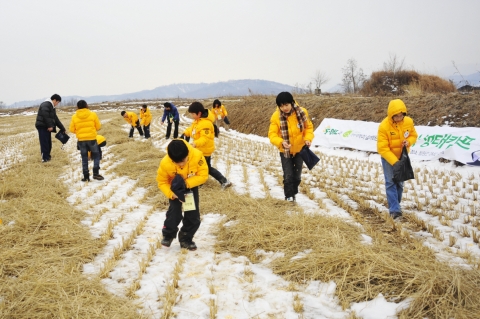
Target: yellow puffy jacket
[[297, 137], [100, 139], [145, 116], [132, 118], [210, 116], [203, 134], [219, 112], [85, 124], [194, 172], [391, 135]]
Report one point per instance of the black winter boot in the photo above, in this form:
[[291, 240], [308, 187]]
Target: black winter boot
[[186, 242], [167, 241], [96, 175], [86, 178]]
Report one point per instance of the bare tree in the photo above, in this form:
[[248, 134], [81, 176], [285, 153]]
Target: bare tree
[[2, 105], [394, 64], [353, 77], [300, 88], [70, 102], [463, 79], [320, 78], [297, 89]]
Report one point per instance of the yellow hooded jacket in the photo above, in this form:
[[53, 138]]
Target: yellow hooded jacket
[[219, 112], [145, 116], [132, 118], [203, 134], [297, 137], [194, 172], [391, 134], [100, 139], [85, 124]]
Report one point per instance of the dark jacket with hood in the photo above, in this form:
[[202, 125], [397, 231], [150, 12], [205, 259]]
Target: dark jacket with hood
[[47, 117], [173, 113]]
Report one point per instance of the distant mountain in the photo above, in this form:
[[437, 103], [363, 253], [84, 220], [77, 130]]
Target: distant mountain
[[185, 90], [471, 79]]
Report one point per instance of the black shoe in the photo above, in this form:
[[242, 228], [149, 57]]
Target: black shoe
[[85, 179], [396, 215], [45, 160], [98, 177], [190, 245], [167, 241]]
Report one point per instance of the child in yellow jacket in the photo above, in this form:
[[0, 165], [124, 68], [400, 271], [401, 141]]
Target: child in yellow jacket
[[290, 130], [101, 141], [220, 113], [180, 173], [84, 125], [203, 135], [133, 120], [146, 119], [395, 132]]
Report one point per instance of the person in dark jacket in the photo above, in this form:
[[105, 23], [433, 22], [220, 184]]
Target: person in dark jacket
[[171, 115], [46, 123]]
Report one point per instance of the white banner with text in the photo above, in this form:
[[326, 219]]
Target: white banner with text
[[453, 143]]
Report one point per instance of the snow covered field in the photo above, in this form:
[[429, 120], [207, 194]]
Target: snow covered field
[[443, 201]]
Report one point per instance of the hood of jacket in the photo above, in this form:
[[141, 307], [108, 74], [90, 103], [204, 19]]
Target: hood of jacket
[[395, 107], [83, 113]]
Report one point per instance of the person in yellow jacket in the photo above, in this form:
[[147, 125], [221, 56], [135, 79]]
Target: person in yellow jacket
[[84, 125], [180, 173], [146, 119], [101, 141], [203, 135], [220, 113], [290, 130], [133, 120], [394, 132]]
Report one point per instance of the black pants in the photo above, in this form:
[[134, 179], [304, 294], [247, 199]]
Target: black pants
[[191, 219], [169, 129], [100, 148], [85, 147], [292, 173], [146, 129], [139, 128], [45, 138], [214, 172]]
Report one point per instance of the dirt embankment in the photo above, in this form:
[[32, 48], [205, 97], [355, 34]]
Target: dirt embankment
[[252, 114]]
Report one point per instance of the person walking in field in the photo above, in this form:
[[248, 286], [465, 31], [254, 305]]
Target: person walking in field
[[180, 173], [394, 132], [101, 141], [290, 130], [46, 123], [203, 135], [146, 119], [84, 125], [220, 113], [170, 114], [133, 120]]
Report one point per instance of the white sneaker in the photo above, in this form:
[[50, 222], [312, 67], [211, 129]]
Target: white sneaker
[[290, 199]]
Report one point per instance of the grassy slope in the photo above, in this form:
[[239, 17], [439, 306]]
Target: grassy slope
[[252, 114]]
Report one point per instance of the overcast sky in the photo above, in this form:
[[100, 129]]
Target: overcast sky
[[112, 47]]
